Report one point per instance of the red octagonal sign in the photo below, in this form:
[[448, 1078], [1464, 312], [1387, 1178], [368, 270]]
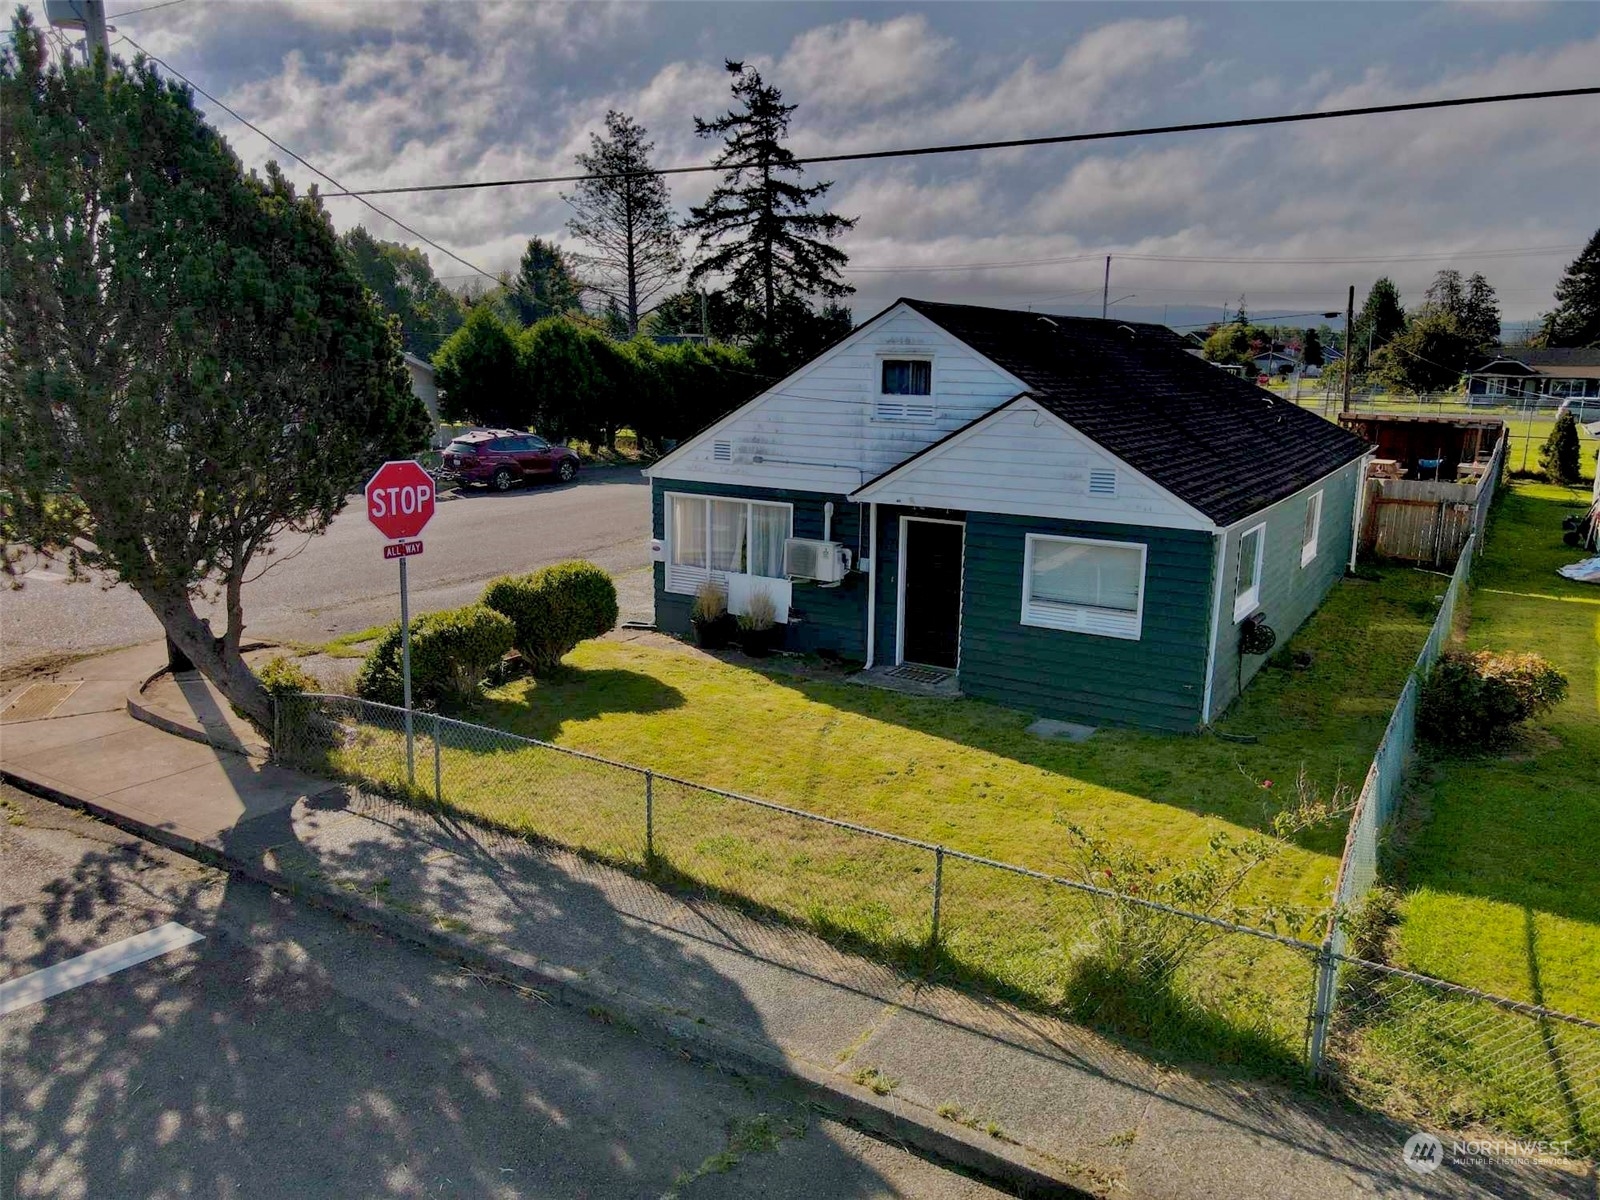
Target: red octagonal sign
[[400, 499]]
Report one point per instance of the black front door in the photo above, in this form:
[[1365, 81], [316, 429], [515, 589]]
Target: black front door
[[932, 599]]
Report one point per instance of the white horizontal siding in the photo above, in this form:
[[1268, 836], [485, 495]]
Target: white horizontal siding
[[1026, 462], [815, 431]]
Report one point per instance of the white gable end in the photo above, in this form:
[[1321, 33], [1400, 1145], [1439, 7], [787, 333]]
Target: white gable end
[[823, 428], [1027, 462]]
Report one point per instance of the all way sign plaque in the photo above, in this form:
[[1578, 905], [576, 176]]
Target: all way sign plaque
[[402, 549]]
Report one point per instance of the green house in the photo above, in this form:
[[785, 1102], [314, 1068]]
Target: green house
[[1075, 517]]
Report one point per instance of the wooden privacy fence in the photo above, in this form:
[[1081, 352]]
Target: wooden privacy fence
[[1428, 521]]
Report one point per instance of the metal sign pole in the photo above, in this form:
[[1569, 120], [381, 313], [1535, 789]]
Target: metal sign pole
[[405, 675]]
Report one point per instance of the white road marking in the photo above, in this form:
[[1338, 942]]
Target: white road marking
[[97, 964]]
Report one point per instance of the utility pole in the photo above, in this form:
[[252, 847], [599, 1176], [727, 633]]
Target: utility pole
[[1105, 289], [1349, 345], [94, 27]]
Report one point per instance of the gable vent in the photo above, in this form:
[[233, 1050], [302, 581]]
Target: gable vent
[[721, 451], [1102, 482]]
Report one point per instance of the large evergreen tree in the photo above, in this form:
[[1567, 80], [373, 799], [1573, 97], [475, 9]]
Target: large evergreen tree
[[758, 229], [1380, 319], [1575, 320], [626, 217], [182, 345], [480, 372], [1481, 313], [403, 281], [545, 284], [1311, 349]]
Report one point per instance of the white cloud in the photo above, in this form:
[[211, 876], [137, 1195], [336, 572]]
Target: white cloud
[[856, 63]]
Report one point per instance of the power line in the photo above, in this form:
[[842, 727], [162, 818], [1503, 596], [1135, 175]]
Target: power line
[[1010, 143], [134, 12], [303, 162]]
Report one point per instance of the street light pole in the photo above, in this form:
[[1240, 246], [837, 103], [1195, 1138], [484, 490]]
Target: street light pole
[[1105, 290], [1349, 347]]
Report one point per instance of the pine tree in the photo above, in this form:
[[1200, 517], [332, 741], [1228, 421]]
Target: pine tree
[[626, 217], [1559, 455], [1311, 349], [1380, 319], [1575, 320], [544, 285], [757, 228], [1481, 312]]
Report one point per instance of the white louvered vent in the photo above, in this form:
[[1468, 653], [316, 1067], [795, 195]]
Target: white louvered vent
[[1102, 482], [898, 409], [721, 451]]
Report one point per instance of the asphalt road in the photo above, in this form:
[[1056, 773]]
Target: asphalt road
[[338, 582], [291, 1054]]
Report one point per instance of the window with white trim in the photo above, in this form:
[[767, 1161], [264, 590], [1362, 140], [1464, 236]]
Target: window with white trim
[[1494, 385], [712, 537], [905, 390], [1084, 585], [1247, 582], [1313, 528]]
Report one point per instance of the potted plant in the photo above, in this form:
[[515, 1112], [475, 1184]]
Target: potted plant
[[758, 625], [713, 625]]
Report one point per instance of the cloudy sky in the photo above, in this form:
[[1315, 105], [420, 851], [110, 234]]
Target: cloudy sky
[[394, 92]]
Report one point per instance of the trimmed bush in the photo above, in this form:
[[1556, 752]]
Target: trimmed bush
[[451, 652], [284, 677], [1475, 699], [554, 609]]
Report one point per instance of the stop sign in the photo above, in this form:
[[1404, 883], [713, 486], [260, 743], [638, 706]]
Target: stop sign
[[400, 499]]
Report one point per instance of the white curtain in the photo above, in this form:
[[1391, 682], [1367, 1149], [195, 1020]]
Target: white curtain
[[727, 535], [769, 526], [1094, 576], [688, 531]]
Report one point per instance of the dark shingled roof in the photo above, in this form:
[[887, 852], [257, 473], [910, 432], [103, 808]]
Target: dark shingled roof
[[1225, 446]]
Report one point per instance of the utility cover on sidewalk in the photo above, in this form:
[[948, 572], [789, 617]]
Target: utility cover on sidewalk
[[38, 701]]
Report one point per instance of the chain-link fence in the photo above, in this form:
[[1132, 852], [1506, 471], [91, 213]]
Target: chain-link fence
[[1190, 985]]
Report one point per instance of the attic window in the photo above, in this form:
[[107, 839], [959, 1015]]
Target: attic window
[[1102, 482], [905, 390], [721, 451]]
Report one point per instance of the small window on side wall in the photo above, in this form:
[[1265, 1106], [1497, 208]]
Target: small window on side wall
[[905, 390], [1084, 586], [1313, 529], [1247, 582]]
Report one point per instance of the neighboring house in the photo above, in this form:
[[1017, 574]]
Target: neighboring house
[[1073, 516], [1275, 362], [425, 388], [1548, 376]]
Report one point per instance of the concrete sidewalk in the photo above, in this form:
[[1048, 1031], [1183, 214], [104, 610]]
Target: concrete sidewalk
[[1036, 1103]]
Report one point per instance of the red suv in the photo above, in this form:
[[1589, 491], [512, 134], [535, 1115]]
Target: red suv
[[502, 457]]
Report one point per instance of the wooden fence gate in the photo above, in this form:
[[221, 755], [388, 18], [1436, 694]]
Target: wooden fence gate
[[1419, 520]]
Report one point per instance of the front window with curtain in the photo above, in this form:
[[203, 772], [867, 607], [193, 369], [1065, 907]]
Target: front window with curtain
[[712, 538], [1084, 585]]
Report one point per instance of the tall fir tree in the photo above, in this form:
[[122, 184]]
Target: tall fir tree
[[626, 218], [545, 284], [1381, 318], [1481, 312], [1575, 320], [1311, 349], [758, 229]]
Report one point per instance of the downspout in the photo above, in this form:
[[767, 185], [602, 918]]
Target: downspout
[[872, 584], [1216, 623]]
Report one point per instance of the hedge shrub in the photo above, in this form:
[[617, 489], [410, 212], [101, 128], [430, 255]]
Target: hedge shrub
[[554, 609], [1474, 700], [451, 652], [284, 677]]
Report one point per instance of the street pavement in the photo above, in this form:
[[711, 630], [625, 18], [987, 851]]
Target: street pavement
[[338, 582], [292, 1054]]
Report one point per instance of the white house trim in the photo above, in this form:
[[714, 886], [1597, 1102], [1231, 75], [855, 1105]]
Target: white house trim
[[884, 489], [872, 586], [1218, 569], [900, 588]]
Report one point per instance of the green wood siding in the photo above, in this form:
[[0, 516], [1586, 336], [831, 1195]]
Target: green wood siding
[[1156, 681], [827, 618], [1290, 593]]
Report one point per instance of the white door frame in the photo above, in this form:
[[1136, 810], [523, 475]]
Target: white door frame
[[900, 587]]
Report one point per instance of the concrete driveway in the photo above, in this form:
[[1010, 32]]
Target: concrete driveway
[[337, 583]]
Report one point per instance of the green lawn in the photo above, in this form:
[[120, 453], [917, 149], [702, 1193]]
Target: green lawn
[[1503, 882], [1497, 862], [964, 774]]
